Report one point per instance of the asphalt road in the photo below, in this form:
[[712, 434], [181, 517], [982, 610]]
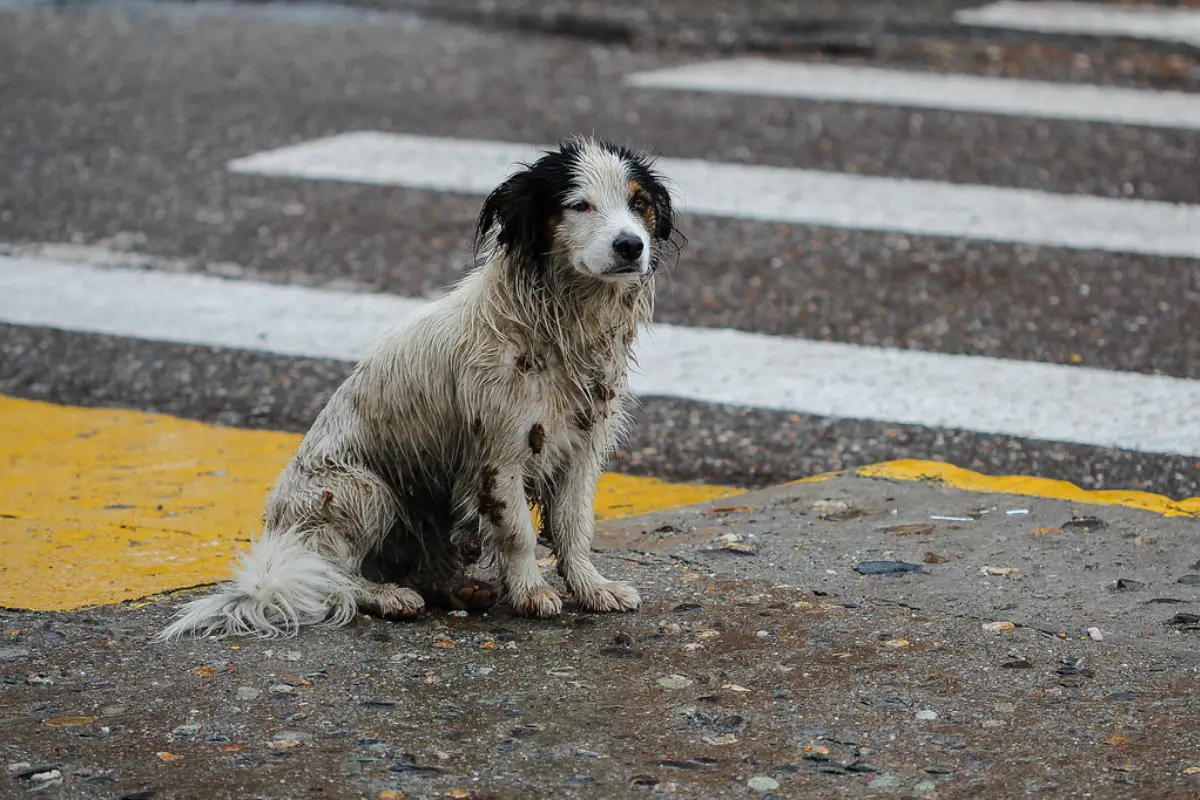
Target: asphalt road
[[119, 120]]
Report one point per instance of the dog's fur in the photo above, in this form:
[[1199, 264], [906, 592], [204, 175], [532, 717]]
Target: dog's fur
[[510, 389]]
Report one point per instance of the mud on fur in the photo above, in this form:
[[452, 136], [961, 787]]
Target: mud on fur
[[422, 464]]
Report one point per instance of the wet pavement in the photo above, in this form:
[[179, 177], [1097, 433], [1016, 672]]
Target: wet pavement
[[1031, 647]]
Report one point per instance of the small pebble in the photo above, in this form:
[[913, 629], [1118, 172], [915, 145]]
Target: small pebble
[[1095, 635], [761, 783], [723, 739], [675, 682], [13, 653], [248, 693], [888, 780], [186, 731], [927, 715]]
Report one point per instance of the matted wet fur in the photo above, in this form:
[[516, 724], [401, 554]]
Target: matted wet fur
[[511, 388]]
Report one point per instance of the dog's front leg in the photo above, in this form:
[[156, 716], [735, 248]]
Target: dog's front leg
[[503, 508], [572, 526]]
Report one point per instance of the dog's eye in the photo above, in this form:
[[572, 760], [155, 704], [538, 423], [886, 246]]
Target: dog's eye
[[639, 204], [580, 206]]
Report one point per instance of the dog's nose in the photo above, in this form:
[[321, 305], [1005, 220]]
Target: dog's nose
[[628, 246]]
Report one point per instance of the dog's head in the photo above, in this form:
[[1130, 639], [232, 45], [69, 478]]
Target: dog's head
[[596, 206]]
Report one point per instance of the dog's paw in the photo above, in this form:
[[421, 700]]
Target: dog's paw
[[538, 602], [396, 602], [473, 595], [609, 596]]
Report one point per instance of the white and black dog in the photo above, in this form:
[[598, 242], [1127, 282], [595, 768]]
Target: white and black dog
[[511, 389]]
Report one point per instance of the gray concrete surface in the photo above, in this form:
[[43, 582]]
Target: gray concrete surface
[[762, 665]]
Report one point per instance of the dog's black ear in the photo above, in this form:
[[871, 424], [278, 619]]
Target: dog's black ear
[[517, 215], [664, 212]]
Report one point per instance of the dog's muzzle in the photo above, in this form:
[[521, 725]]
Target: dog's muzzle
[[628, 248]]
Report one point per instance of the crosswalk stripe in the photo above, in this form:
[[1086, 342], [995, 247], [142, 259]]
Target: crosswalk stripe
[[1007, 96], [1149, 413], [1097, 19], [771, 194]]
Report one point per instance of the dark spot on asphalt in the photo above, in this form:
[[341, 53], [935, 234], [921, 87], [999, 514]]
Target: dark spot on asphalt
[[490, 506], [1128, 585], [887, 568], [1018, 663], [1085, 524]]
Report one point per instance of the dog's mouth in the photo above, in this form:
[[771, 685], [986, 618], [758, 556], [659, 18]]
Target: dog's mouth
[[623, 269]]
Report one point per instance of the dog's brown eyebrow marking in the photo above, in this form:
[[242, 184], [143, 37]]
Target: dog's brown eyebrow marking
[[489, 505], [537, 438], [637, 192]]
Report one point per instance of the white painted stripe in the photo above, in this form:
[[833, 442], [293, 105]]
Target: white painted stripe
[[1033, 400], [772, 194], [951, 92], [1095, 19]]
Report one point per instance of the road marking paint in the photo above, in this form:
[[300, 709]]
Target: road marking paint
[[102, 506], [771, 194], [1096, 19], [1148, 413], [959, 478], [757, 76]]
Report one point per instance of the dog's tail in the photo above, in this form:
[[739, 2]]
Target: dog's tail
[[278, 587]]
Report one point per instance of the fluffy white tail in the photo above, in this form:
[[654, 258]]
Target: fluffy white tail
[[277, 588]]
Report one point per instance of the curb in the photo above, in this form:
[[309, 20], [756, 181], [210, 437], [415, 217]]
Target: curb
[[943, 474]]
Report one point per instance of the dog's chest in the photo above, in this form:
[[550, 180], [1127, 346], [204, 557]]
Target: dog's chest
[[562, 414]]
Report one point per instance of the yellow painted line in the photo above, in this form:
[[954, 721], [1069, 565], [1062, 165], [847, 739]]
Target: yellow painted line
[[959, 478], [101, 506]]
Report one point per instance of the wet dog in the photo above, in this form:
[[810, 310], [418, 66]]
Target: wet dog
[[510, 390]]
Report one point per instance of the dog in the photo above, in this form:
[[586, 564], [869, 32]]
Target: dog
[[510, 391]]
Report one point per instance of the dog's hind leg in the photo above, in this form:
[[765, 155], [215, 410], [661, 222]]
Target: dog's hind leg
[[387, 600], [572, 524], [461, 593]]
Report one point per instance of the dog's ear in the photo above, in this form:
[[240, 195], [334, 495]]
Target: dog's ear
[[664, 212], [516, 213]]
